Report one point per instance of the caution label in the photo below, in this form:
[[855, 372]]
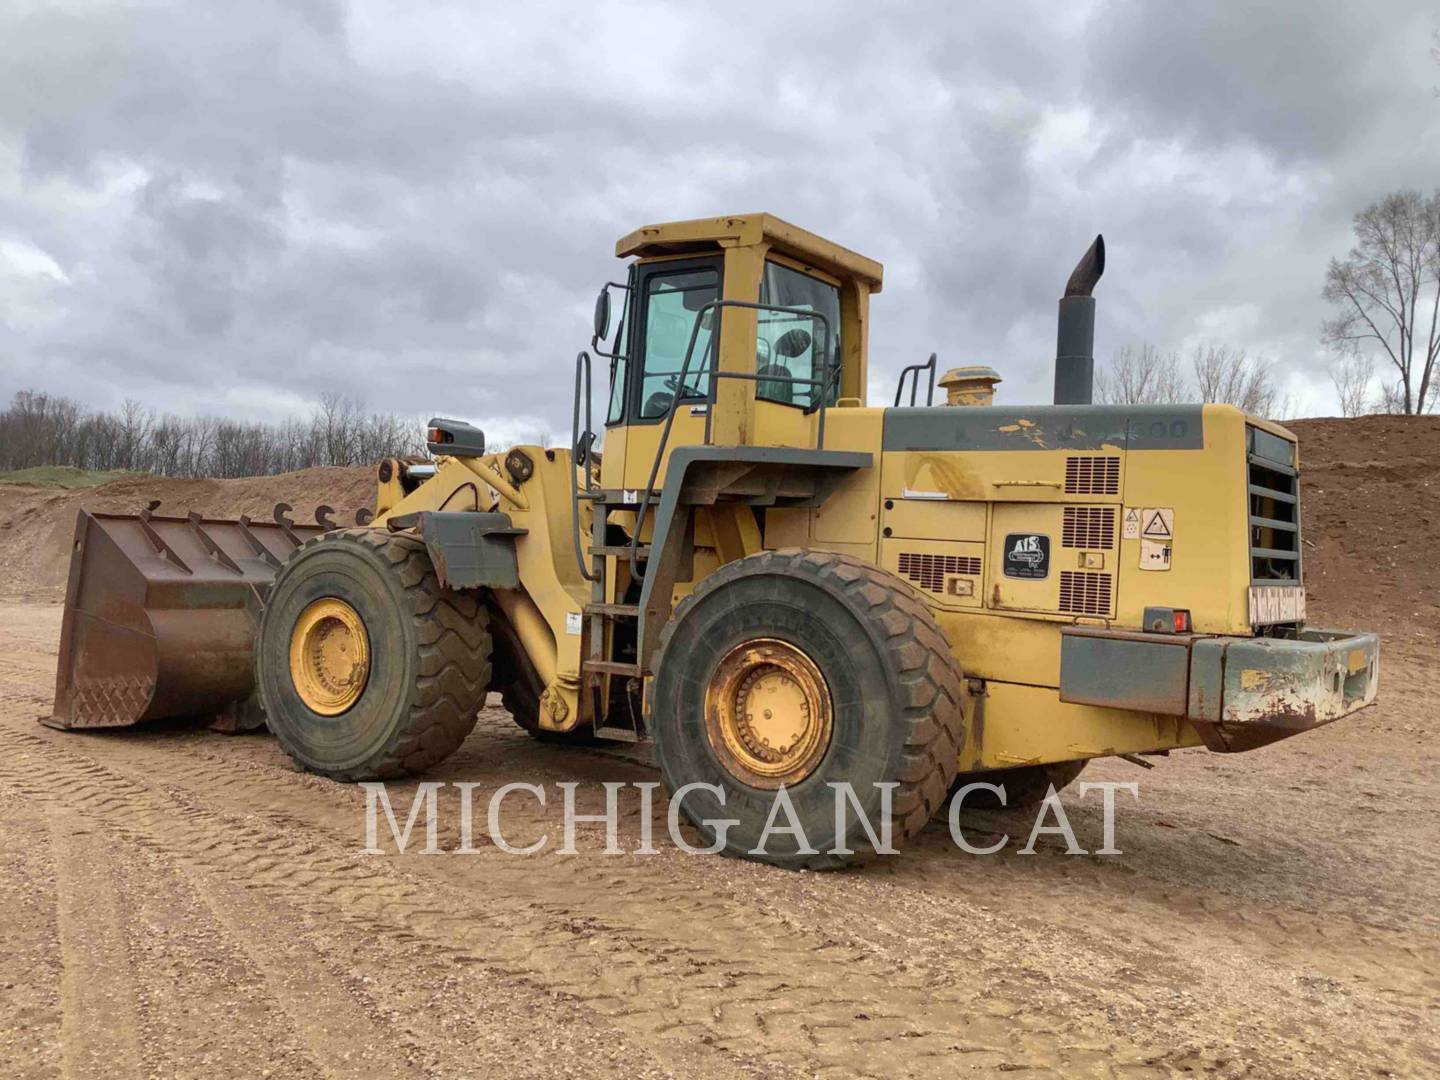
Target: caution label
[[1157, 523], [1131, 530]]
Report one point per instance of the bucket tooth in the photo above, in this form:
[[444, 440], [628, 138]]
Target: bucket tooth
[[160, 616], [281, 514]]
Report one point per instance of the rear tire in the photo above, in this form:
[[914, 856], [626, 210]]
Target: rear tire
[[892, 700], [428, 651]]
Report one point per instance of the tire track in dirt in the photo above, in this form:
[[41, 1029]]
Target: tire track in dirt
[[733, 981], [1022, 1002], [98, 1029], [650, 911], [1147, 911], [31, 966], [334, 885], [335, 1030]]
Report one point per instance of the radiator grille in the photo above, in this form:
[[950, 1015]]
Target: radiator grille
[[1274, 497], [929, 571], [1089, 527], [1083, 593], [1092, 476]]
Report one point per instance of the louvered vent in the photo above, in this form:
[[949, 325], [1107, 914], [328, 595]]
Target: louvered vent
[[1274, 516], [929, 571], [1084, 593], [1089, 527], [1092, 476]]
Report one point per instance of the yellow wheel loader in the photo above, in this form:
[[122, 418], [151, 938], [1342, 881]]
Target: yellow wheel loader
[[780, 586]]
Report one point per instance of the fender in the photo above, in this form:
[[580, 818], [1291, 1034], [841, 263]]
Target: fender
[[469, 550]]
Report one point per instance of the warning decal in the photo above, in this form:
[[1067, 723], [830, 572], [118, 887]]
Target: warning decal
[[1158, 523], [1154, 555], [1132, 524]]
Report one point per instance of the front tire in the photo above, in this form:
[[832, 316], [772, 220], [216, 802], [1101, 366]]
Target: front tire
[[367, 667], [801, 670]]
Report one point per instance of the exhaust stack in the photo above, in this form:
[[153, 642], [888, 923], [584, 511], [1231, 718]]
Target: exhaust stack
[[1075, 334]]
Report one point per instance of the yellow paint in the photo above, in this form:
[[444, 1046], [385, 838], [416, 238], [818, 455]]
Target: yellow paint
[[1004, 631], [329, 656], [1030, 725], [768, 713], [1253, 678]]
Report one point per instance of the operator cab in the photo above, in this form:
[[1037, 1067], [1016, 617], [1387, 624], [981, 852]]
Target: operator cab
[[732, 331]]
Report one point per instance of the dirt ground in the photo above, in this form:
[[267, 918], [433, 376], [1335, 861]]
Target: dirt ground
[[178, 902]]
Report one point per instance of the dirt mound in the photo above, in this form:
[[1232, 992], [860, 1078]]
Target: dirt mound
[[1370, 522], [37, 524]]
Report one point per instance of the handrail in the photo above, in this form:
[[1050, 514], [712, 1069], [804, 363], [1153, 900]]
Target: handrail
[[914, 370], [580, 447], [715, 376]]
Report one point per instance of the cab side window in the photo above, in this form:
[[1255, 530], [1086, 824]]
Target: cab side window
[[619, 368], [794, 346]]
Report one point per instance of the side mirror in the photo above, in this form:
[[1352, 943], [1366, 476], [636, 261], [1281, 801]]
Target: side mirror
[[602, 314]]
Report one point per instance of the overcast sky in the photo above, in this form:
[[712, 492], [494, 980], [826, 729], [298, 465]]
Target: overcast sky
[[231, 207]]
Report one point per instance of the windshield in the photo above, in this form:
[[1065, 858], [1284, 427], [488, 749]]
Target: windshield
[[795, 346], [672, 304]]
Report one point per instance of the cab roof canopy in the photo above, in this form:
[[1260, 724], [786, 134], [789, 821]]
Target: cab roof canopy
[[743, 230]]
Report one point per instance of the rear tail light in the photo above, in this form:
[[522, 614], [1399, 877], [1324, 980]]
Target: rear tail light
[[1164, 620]]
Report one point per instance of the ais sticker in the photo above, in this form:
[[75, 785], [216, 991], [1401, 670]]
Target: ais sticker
[[1027, 555]]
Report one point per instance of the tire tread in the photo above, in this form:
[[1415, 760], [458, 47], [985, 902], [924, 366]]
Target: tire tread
[[929, 688], [454, 646]]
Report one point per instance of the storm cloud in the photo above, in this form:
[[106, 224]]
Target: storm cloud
[[232, 208]]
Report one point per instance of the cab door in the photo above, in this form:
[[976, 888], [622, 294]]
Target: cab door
[[670, 312]]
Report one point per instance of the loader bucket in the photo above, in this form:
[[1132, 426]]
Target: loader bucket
[[161, 615]]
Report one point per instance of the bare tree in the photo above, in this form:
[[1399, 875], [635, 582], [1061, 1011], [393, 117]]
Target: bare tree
[[1351, 375], [1142, 376], [1217, 373], [1387, 290], [1391, 399], [1232, 376], [38, 429]]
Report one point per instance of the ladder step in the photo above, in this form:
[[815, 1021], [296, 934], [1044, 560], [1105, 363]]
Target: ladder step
[[611, 667], [620, 551], [619, 734], [624, 496], [614, 611]]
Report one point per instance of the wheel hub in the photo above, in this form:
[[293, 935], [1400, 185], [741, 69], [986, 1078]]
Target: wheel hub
[[768, 713], [329, 656]]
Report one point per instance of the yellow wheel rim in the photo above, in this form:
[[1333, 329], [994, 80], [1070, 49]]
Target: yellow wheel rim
[[768, 713], [329, 656]]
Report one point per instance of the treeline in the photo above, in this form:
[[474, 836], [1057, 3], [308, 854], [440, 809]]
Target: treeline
[[1212, 373], [42, 429]]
